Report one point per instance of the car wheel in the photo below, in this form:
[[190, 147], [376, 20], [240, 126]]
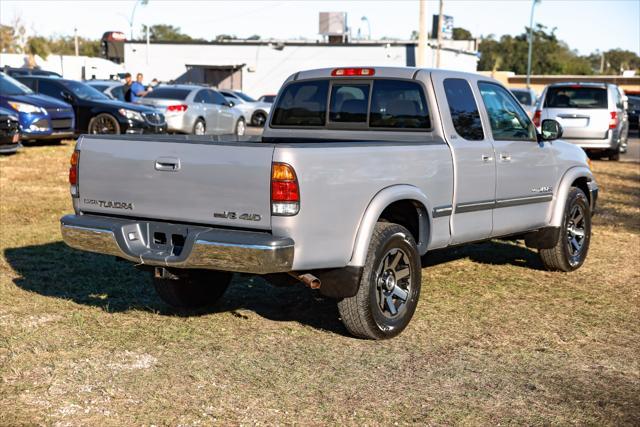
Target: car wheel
[[240, 127], [389, 286], [104, 124], [199, 127], [258, 119], [192, 289], [571, 249], [614, 154]]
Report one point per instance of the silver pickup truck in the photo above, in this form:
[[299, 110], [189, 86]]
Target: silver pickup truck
[[359, 173]]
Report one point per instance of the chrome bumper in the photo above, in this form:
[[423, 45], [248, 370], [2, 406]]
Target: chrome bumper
[[179, 246]]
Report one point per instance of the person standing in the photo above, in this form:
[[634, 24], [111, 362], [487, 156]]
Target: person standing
[[127, 87], [137, 88]]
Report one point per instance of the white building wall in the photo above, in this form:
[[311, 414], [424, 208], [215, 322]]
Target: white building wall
[[266, 68], [69, 66]]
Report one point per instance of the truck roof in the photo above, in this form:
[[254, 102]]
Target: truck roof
[[385, 72]]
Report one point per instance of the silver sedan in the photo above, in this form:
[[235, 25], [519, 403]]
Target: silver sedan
[[196, 110], [254, 112]]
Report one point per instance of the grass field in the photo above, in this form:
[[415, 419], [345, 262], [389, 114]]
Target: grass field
[[495, 339]]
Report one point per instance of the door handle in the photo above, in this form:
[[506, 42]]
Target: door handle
[[505, 157], [486, 158], [168, 164]]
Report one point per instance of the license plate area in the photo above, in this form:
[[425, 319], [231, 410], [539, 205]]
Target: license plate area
[[167, 238], [580, 122]]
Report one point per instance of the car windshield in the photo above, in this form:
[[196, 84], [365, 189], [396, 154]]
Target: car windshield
[[168, 93], [576, 97], [245, 97], [523, 97], [10, 86], [83, 91]]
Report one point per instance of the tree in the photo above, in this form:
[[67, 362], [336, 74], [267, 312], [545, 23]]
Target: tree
[[38, 45], [166, 33], [460, 33], [254, 37], [65, 45]]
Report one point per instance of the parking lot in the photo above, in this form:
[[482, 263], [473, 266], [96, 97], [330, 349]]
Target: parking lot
[[84, 340]]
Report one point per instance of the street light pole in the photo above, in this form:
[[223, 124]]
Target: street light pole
[[422, 34], [533, 6], [133, 13], [75, 41]]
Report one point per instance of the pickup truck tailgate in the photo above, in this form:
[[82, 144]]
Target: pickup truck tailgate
[[166, 178]]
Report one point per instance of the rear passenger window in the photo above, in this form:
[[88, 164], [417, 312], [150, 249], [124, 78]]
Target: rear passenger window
[[398, 104], [463, 108], [302, 104], [349, 103]]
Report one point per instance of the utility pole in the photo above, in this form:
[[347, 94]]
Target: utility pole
[[533, 6], [439, 33], [422, 34], [75, 37]]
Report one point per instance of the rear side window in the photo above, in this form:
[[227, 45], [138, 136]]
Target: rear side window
[[463, 108], [349, 103], [576, 97], [302, 104], [217, 98], [398, 104], [169, 93]]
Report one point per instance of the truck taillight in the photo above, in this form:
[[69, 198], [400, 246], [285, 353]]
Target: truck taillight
[[285, 193], [73, 173], [351, 72], [536, 118], [613, 121]]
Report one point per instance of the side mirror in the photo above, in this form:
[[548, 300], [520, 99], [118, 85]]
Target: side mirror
[[550, 130], [230, 104]]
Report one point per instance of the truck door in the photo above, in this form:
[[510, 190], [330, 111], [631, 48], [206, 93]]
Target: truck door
[[526, 168], [473, 157]]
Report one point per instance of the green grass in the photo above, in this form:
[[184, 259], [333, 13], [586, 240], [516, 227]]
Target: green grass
[[495, 339]]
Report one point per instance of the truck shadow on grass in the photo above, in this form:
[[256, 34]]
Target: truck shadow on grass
[[57, 271]]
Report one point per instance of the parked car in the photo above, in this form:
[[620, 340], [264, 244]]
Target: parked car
[[9, 131], [114, 89], [592, 115], [359, 172], [23, 71], [527, 98], [268, 99], [196, 110], [95, 112], [41, 117], [254, 112], [633, 111]]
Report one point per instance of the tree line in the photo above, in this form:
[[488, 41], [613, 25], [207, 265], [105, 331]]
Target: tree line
[[509, 53]]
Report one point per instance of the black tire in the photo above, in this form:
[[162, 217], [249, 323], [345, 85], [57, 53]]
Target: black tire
[[240, 129], [365, 315], [104, 124], [564, 256], [199, 124], [614, 155], [258, 119], [193, 288]]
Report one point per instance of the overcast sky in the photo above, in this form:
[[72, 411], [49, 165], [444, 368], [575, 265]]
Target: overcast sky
[[585, 25]]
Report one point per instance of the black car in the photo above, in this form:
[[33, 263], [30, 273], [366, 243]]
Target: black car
[[9, 131], [634, 112], [95, 112], [21, 72]]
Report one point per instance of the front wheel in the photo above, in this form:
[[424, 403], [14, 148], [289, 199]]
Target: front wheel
[[104, 124], [258, 119], [571, 249], [389, 286], [240, 128], [190, 289]]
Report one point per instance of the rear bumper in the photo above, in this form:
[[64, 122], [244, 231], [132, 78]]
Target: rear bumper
[[596, 144], [185, 246]]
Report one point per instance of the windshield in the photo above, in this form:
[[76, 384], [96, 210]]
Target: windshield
[[168, 93], [245, 97], [523, 97], [10, 86], [576, 97], [83, 91]]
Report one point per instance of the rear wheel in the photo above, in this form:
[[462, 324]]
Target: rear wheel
[[614, 154], [192, 288], [389, 286], [104, 124], [258, 119], [571, 249], [199, 127], [241, 128]]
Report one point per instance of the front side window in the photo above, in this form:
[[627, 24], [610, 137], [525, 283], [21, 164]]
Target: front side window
[[398, 104], [349, 103], [48, 88], [302, 104], [463, 109], [508, 121], [217, 98]]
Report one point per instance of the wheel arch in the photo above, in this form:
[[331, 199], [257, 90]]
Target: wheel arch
[[401, 204], [579, 176]]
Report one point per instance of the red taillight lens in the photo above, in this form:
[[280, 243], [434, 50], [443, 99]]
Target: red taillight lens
[[73, 172], [613, 121], [536, 118], [350, 72], [180, 108], [285, 193]]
